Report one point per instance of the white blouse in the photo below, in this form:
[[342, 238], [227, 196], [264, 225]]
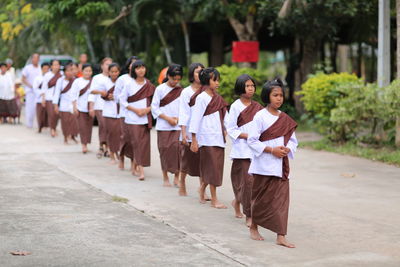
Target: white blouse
[[38, 91], [81, 101], [121, 82], [265, 163], [45, 86], [240, 149], [171, 110], [65, 99], [131, 117], [185, 111], [99, 82], [6, 87], [110, 109], [30, 72], [207, 128]]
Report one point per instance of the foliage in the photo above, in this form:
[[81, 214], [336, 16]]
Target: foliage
[[388, 154], [319, 94]]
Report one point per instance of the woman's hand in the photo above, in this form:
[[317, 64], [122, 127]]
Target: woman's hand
[[92, 113], [194, 147], [279, 151]]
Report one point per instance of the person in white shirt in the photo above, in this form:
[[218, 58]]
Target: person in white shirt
[[207, 125], [189, 161], [165, 109], [125, 144], [271, 136], [11, 69], [40, 98], [241, 113], [136, 98], [111, 113], [81, 87], [65, 104], [8, 105], [29, 73], [98, 89], [49, 83]]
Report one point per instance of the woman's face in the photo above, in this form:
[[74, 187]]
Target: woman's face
[[114, 73], [276, 97], [196, 74], [214, 84], [87, 73], [250, 88], [68, 73], [104, 66], [140, 71], [75, 70], [174, 80]]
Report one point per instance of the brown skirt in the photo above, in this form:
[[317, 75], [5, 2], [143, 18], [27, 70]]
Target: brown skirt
[[140, 143], [270, 203], [242, 183], [102, 129], [190, 161], [69, 124], [85, 123], [52, 117], [125, 149], [212, 164], [41, 116], [168, 146], [8, 108], [113, 130]]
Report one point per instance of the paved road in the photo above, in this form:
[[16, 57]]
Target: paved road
[[56, 203]]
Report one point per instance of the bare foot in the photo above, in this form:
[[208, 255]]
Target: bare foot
[[248, 221], [254, 234], [73, 139], [141, 178], [121, 165], [182, 192], [113, 162], [236, 206], [202, 200], [167, 184], [281, 241], [205, 196], [53, 133], [218, 205], [176, 182]]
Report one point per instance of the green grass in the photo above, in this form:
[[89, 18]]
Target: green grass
[[387, 154], [120, 199]]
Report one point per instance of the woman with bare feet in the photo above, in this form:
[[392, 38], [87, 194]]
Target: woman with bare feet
[[189, 160], [207, 125], [65, 105], [272, 139], [136, 98], [110, 114], [85, 121], [241, 114], [165, 108]]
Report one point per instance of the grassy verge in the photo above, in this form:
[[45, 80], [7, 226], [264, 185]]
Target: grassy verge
[[120, 199], [385, 154]]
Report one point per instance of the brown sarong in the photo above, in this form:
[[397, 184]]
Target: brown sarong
[[52, 117], [85, 123], [113, 130], [9, 108], [270, 203], [242, 183], [140, 143], [190, 161], [212, 164], [69, 124], [102, 129], [168, 146], [125, 149], [41, 116]]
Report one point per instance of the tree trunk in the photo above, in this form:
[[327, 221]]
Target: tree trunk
[[334, 48], [187, 42], [89, 43], [359, 59], [398, 68], [216, 57], [164, 43], [343, 51]]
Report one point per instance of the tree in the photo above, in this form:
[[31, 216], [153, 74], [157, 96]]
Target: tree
[[398, 67]]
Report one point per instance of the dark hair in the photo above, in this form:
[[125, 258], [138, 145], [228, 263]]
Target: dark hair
[[138, 63], [112, 65], [192, 68], [45, 64], [240, 85], [69, 65], [54, 60], [267, 89], [128, 63], [87, 65], [75, 64], [3, 64], [104, 60], [173, 70], [207, 74]]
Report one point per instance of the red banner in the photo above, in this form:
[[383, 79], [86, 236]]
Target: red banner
[[245, 51]]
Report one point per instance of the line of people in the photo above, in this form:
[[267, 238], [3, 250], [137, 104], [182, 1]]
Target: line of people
[[192, 124]]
